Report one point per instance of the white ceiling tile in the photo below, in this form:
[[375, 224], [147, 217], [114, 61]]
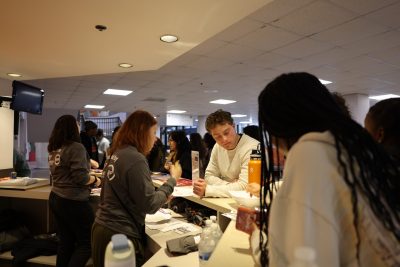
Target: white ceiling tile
[[365, 82], [303, 48], [240, 70], [238, 30], [350, 32], [313, 18], [210, 64], [374, 43], [235, 53], [297, 65], [269, 59], [363, 6], [268, 38], [392, 77], [391, 56], [388, 16], [329, 73], [366, 65], [331, 56], [205, 48], [277, 9], [170, 67], [173, 80], [142, 75], [87, 84], [366, 61]]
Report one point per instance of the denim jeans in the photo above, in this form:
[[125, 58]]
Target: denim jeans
[[74, 220]]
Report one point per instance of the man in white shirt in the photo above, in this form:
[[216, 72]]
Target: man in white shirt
[[103, 144], [227, 169]]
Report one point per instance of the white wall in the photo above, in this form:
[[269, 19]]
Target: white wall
[[179, 120], [40, 126], [201, 125], [6, 140], [5, 87]]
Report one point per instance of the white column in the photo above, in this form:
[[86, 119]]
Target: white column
[[201, 125], [358, 105]]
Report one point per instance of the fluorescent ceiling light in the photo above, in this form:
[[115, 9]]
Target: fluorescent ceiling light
[[176, 111], [14, 74], [382, 97], [94, 106], [222, 101], [238, 115], [168, 38], [117, 92], [125, 65], [324, 81]]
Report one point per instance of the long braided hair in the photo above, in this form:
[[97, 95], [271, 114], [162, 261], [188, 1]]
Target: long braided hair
[[297, 103]]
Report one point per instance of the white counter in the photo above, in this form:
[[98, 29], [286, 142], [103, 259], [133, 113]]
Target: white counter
[[232, 250]]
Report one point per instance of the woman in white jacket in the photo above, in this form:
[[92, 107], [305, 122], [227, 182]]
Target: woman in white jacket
[[340, 190]]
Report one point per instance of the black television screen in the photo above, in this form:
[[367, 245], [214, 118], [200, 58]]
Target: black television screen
[[27, 98]]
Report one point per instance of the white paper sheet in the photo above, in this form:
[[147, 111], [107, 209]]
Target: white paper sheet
[[183, 191]]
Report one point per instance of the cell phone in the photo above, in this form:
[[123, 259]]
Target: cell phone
[[245, 219]]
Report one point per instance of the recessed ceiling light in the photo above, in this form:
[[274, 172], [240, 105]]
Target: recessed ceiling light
[[382, 97], [94, 106], [196, 120], [222, 101], [125, 65], [238, 115], [168, 38], [324, 81], [14, 74], [117, 92], [176, 111]]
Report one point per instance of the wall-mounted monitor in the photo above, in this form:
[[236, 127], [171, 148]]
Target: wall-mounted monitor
[[27, 98]]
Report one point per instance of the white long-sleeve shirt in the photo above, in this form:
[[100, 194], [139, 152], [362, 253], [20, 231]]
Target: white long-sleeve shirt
[[227, 169]]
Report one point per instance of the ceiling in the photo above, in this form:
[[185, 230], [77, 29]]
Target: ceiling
[[226, 49]]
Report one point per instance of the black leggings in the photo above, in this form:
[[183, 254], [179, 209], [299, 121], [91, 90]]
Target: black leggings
[[74, 220]]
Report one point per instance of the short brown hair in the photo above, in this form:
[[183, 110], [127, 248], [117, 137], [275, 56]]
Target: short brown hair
[[218, 117], [135, 132]]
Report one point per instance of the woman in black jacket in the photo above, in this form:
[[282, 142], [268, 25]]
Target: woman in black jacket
[[179, 160]]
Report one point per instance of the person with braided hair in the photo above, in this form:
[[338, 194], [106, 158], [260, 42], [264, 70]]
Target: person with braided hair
[[339, 194]]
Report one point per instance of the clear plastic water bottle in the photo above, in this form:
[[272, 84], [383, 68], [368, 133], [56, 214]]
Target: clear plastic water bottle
[[120, 252], [215, 229], [304, 257], [207, 225], [216, 232], [206, 247]]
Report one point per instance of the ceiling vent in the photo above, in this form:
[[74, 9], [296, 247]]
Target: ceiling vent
[[154, 99]]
